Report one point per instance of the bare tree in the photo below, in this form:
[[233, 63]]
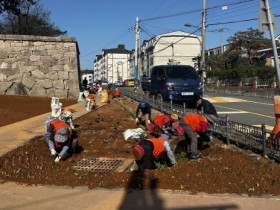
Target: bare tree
[[29, 19], [12, 5]]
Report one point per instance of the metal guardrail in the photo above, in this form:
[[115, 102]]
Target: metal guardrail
[[257, 139]]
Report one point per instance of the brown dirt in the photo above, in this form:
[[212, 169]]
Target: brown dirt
[[17, 108], [223, 169]]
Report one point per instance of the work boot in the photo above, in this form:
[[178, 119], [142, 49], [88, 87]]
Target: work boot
[[195, 157]]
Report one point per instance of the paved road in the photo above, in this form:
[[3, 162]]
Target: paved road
[[244, 109]]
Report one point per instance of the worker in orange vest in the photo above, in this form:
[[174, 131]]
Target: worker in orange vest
[[117, 93], [163, 124], [149, 149], [190, 125], [60, 139]]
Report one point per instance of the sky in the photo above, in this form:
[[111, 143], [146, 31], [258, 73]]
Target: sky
[[104, 24]]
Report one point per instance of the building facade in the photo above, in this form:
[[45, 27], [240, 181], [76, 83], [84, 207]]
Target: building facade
[[171, 48], [112, 65]]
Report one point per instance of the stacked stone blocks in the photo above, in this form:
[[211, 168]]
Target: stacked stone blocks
[[39, 66]]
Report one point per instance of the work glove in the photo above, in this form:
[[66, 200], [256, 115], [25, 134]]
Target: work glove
[[211, 138], [169, 135], [57, 159], [53, 152], [164, 131]]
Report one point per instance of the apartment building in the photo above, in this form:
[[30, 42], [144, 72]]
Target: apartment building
[[112, 65], [170, 48]]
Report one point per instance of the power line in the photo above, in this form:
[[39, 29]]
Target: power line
[[194, 11]]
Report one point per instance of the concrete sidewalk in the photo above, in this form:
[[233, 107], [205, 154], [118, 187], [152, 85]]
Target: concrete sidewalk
[[22, 197], [15, 197], [16, 134]]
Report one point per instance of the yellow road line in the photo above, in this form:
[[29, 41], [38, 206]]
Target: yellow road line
[[223, 99], [219, 99]]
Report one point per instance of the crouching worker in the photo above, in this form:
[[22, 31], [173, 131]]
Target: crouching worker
[[162, 124], [149, 149], [144, 110], [60, 139], [117, 93], [190, 125]]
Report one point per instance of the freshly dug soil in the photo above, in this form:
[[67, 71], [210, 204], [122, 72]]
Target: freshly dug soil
[[223, 169], [17, 108]]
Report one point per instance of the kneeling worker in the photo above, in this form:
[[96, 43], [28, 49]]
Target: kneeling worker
[[147, 150], [163, 124], [60, 139]]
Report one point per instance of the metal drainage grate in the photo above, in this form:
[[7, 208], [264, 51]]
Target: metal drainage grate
[[99, 165]]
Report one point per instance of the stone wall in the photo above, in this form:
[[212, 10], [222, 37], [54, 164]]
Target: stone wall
[[39, 66]]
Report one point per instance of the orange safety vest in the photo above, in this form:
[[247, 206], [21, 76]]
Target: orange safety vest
[[158, 146], [194, 121], [108, 91], [58, 124], [162, 120], [97, 88], [117, 93]]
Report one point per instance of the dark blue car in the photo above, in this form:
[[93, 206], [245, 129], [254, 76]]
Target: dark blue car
[[176, 82]]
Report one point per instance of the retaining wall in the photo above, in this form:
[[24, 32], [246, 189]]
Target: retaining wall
[[39, 66]]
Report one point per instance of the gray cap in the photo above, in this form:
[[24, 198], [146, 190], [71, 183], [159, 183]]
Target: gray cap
[[62, 134], [142, 104]]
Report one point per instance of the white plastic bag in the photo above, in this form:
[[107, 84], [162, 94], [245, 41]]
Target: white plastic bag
[[136, 133], [56, 110]]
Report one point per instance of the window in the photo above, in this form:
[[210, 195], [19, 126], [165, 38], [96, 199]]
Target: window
[[160, 75], [154, 72], [184, 72]]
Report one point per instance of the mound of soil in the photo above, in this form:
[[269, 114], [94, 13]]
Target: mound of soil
[[223, 168]]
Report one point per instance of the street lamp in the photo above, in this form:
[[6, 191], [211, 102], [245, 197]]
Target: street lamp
[[190, 25]]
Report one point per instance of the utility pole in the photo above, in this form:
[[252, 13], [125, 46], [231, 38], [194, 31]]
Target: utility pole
[[203, 43], [267, 22], [221, 30], [137, 35]]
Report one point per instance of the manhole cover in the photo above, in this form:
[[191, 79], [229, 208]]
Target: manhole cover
[[99, 165]]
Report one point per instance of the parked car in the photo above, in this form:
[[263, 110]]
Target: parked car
[[176, 82], [129, 82], [118, 83]]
